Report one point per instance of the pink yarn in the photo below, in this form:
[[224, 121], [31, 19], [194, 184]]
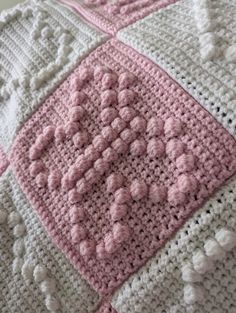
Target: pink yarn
[[113, 201]]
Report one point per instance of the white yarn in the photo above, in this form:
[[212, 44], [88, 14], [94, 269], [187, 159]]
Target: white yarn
[[17, 265], [19, 230], [52, 303], [18, 247], [40, 273], [27, 271], [189, 275], [14, 218], [214, 250], [230, 54], [48, 286], [193, 294], [227, 239], [201, 262]]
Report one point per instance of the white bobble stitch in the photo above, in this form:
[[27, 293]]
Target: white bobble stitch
[[14, 218], [201, 262], [19, 230], [18, 247], [48, 286], [226, 238], [230, 54], [193, 294], [17, 265], [52, 303], [3, 216], [214, 250], [189, 275], [27, 271], [40, 273]]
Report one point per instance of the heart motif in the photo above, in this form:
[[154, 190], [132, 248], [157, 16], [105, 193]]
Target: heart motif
[[122, 132], [116, 160]]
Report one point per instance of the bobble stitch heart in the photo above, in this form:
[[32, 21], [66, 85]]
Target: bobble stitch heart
[[114, 182], [125, 80], [108, 115], [173, 127], [127, 114], [138, 190], [108, 98], [87, 248], [138, 147], [122, 196], [155, 148], [155, 127], [126, 97], [174, 148]]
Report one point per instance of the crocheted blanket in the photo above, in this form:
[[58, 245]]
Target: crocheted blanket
[[118, 156]]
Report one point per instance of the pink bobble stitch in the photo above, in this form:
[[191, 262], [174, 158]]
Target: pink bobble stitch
[[54, 179], [120, 146], [138, 124], [77, 215], [71, 128], [174, 148], [101, 251], [121, 232], [108, 80], [185, 162], [80, 139], [60, 134], [35, 152], [82, 186], [126, 79], [155, 148], [92, 176], [101, 166], [41, 180], [126, 97], [74, 196], [41, 142], [77, 98], [99, 143], [91, 153], [99, 72], [82, 163], [173, 127], [48, 133], [118, 211], [128, 135], [76, 83], [118, 124], [187, 183], [127, 113], [138, 147], [108, 98], [74, 173], [157, 194], [122, 196], [76, 113], [67, 182], [110, 155], [155, 127], [176, 197], [110, 243], [78, 233], [108, 115], [108, 133], [138, 190], [36, 167], [87, 248], [85, 73], [114, 182]]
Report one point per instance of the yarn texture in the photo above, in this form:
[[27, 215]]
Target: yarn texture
[[118, 157]]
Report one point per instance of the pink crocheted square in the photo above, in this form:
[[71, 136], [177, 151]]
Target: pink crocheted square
[[116, 160], [110, 17]]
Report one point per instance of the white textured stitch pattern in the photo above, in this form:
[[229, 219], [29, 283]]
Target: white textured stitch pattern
[[40, 43], [159, 283], [22, 290], [170, 38]]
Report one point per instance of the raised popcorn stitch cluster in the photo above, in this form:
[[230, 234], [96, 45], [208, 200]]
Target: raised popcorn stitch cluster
[[112, 187], [113, 159]]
